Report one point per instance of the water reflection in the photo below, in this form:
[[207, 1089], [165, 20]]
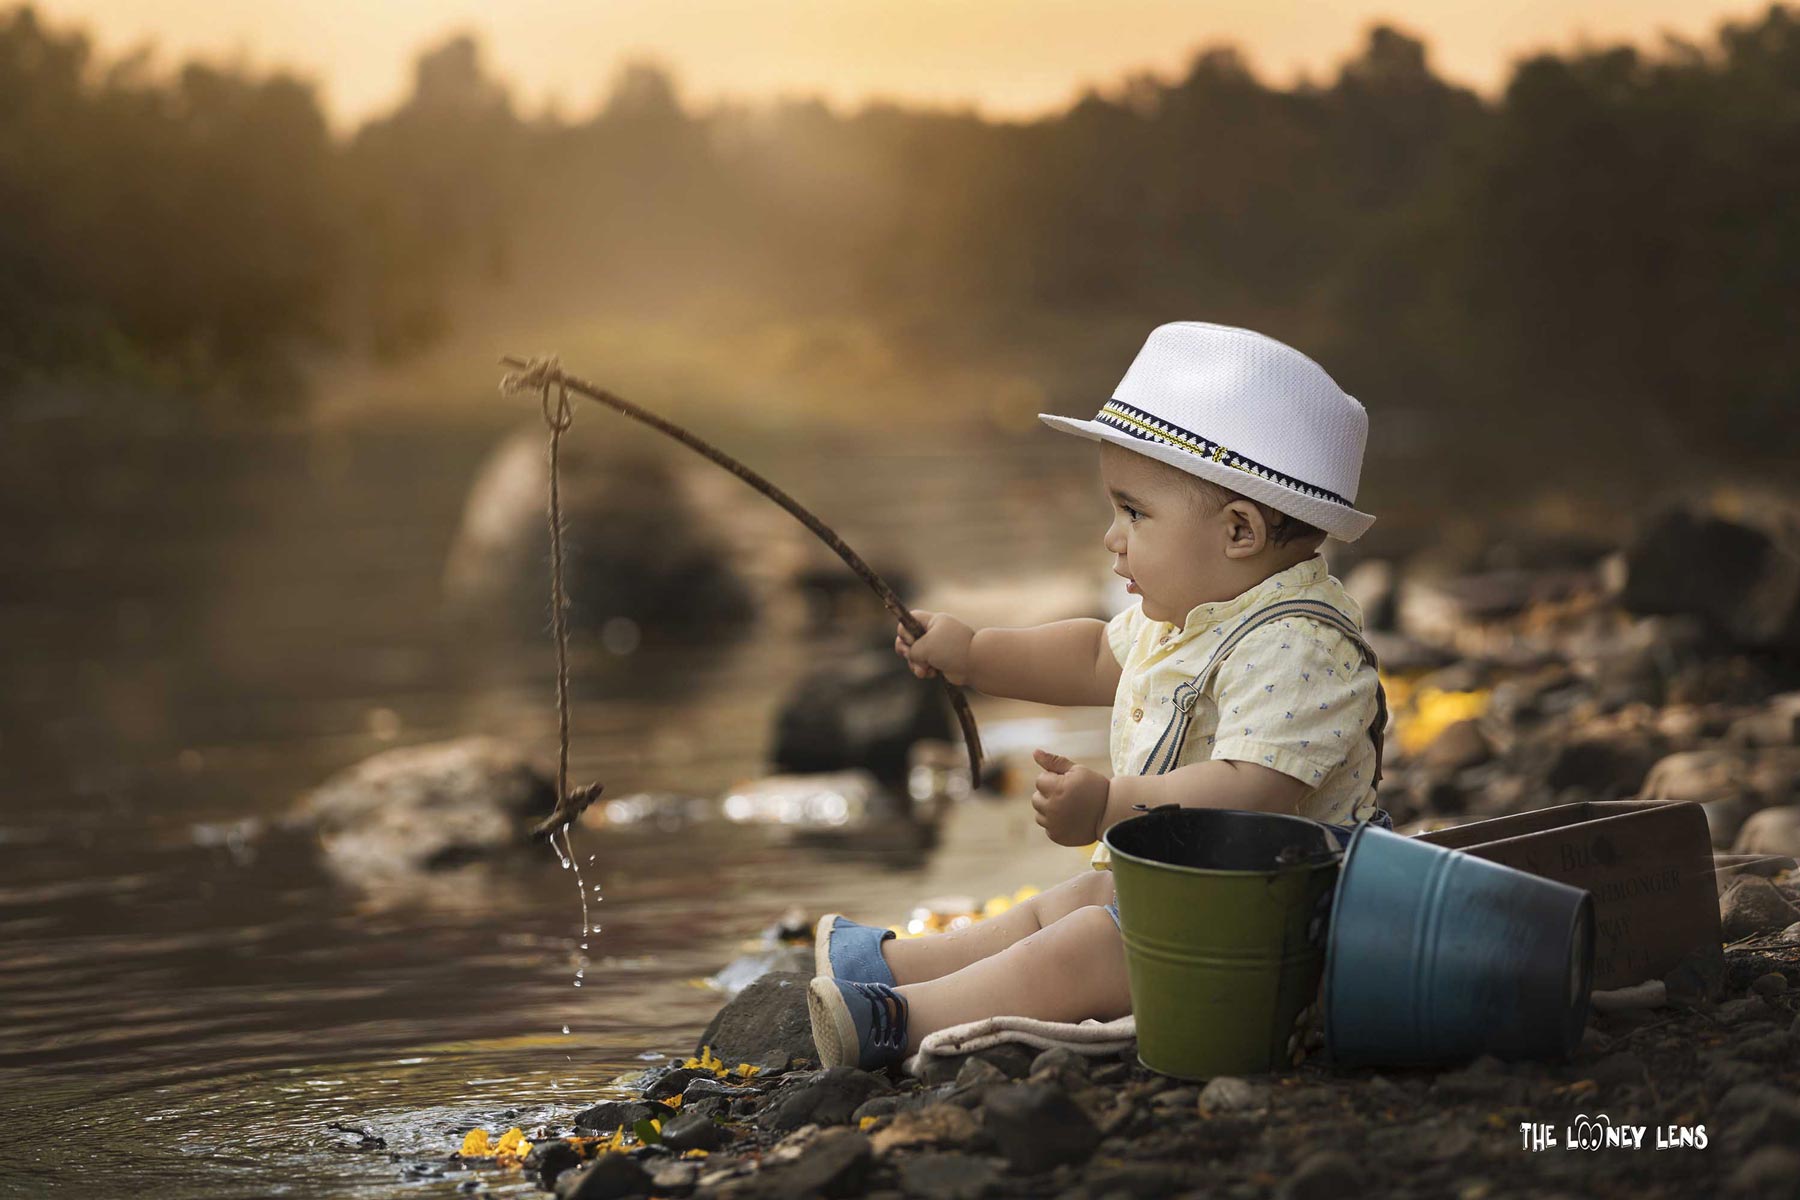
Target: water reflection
[[194, 633]]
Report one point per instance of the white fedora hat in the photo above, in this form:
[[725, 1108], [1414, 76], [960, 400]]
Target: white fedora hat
[[1246, 412]]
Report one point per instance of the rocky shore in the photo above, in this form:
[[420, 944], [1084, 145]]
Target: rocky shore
[[1633, 676], [1704, 1094]]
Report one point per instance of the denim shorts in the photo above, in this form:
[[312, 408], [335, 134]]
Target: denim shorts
[[1380, 820]]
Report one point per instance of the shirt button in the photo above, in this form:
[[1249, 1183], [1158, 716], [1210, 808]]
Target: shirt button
[[1137, 714]]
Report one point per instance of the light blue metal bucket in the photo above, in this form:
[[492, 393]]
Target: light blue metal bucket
[[1436, 956]]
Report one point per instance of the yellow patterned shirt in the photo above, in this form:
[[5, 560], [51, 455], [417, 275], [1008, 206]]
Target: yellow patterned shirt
[[1294, 694]]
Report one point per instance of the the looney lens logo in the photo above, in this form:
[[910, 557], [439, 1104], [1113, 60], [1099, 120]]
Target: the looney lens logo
[[1590, 1133]]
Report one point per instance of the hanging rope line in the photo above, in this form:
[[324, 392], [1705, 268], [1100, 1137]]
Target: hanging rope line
[[538, 374], [569, 805]]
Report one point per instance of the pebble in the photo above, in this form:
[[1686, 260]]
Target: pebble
[[947, 1176], [1325, 1175], [1771, 985], [692, 1131], [1038, 1127], [1770, 1171], [1227, 1093], [1061, 1060], [609, 1177]]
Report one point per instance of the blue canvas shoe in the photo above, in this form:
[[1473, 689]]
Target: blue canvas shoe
[[856, 1024], [846, 950]]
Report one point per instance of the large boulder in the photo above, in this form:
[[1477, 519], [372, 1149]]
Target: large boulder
[[766, 1023], [1730, 783], [648, 544], [863, 710], [424, 808], [1739, 578], [1771, 831]]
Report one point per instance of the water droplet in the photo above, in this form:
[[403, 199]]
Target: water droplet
[[565, 1029], [578, 983]]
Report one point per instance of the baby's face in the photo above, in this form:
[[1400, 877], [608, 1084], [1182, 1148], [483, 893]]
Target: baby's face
[[1167, 538]]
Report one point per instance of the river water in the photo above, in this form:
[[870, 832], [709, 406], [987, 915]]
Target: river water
[[195, 630]]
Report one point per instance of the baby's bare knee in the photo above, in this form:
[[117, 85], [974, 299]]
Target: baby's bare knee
[[1095, 888]]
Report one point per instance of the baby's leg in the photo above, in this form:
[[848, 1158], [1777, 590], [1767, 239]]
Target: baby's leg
[[914, 960], [1068, 971]]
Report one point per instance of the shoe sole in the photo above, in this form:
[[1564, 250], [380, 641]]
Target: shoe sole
[[822, 945], [834, 1032]]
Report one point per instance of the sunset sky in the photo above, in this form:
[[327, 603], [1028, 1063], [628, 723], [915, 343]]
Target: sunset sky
[[1008, 57]]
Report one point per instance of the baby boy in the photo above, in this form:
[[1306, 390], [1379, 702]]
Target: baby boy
[[1239, 680]]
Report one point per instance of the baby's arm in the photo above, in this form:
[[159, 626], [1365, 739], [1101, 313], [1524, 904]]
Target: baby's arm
[[1063, 662], [1215, 783]]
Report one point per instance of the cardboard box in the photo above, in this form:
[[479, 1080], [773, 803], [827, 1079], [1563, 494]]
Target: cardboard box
[[1649, 866]]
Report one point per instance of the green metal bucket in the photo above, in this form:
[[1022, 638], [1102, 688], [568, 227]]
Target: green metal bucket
[[1223, 914]]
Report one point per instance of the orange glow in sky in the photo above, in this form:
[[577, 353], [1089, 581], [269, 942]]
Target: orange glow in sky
[[1006, 57]]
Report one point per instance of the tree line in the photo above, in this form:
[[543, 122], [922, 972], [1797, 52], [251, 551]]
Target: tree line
[[1609, 243]]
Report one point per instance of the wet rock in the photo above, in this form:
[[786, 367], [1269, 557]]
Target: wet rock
[[862, 710], [609, 1115], [1181, 1098], [827, 1097], [673, 1177], [609, 1177], [765, 1021], [947, 1177], [942, 1068], [421, 808], [835, 1163], [1754, 1114], [978, 1072], [1229, 1094], [693, 580], [1753, 905], [1038, 1127], [945, 1126], [1013, 1059], [1771, 831], [1770, 1171], [691, 1131], [674, 1083], [1063, 1061], [549, 1159], [885, 1106], [357, 1136], [710, 1087], [1325, 1175]]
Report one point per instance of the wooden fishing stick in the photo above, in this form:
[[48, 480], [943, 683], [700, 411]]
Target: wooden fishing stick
[[534, 374]]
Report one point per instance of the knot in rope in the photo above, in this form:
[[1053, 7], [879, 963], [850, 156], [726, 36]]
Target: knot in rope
[[537, 376]]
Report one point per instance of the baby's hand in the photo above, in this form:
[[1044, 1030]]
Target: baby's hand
[[1069, 800], [944, 649]]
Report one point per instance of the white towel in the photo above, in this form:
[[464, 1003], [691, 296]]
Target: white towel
[[1096, 1038]]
